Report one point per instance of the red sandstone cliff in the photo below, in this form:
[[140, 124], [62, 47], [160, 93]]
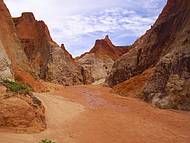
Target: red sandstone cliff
[[36, 41], [105, 48], [49, 61]]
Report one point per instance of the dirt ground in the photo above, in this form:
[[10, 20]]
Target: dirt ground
[[91, 114]]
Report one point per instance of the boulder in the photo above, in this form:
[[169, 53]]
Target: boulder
[[21, 113]]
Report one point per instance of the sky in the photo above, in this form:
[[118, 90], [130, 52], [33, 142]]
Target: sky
[[78, 23]]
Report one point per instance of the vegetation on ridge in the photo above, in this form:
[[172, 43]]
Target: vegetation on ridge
[[15, 87]]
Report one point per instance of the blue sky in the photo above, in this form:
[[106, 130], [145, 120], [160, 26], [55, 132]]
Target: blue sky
[[78, 23]]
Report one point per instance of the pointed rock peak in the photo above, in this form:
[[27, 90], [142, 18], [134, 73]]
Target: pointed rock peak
[[27, 26], [66, 52], [28, 16], [63, 46], [103, 43], [107, 37]]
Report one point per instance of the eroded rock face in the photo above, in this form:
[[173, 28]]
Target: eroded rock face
[[14, 62], [22, 113], [36, 41], [62, 68], [99, 61], [120, 71], [166, 46], [9, 39], [169, 86], [5, 64], [49, 61]]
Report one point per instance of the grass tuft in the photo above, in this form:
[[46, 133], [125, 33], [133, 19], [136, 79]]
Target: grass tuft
[[15, 87]]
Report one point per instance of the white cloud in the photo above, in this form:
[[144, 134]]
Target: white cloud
[[108, 21]]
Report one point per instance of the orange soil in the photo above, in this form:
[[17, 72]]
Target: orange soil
[[26, 78], [91, 114], [134, 86]]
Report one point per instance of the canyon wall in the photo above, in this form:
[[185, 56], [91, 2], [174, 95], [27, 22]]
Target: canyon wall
[[166, 46]]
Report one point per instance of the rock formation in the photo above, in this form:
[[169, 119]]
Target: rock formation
[[21, 112], [5, 64], [166, 47], [13, 61], [98, 62], [63, 69], [36, 41], [49, 61]]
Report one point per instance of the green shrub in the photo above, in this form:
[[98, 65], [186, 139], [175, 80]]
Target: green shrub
[[46, 141], [15, 87]]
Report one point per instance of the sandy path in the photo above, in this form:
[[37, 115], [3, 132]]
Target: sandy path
[[91, 114]]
